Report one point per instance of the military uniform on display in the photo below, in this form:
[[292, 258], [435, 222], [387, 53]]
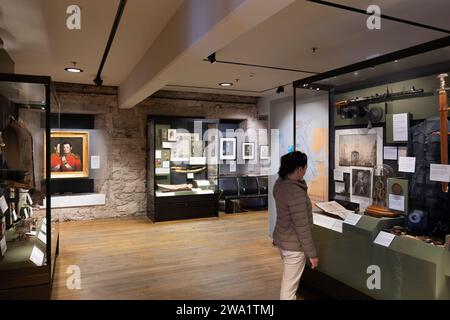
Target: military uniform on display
[[424, 145]]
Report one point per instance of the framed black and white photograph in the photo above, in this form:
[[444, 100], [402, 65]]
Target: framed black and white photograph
[[172, 135], [227, 148], [361, 186], [248, 151], [264, 153]]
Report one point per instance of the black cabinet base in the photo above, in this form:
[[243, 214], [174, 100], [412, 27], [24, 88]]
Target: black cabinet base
[[182, 207]]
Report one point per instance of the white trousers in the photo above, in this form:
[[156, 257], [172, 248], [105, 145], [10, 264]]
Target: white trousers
[[293, 266]]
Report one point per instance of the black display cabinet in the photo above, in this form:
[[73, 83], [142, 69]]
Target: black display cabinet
[[182, 168], [29, 240]]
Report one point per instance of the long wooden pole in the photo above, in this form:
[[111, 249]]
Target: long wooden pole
[[443, 112]]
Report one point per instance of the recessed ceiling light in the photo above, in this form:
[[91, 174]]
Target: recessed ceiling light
[[73, 69], [225, 84]]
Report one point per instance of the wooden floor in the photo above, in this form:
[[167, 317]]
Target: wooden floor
[[131, 258]]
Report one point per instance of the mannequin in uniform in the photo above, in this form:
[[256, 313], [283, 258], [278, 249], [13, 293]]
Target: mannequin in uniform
[[69, 160]]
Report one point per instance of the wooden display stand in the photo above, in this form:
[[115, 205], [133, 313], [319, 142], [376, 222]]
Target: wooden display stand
[[379, 212]]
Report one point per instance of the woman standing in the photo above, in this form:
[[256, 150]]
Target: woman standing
[[293, 229]]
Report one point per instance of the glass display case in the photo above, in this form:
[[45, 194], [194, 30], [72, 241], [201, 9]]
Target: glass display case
[[182, 170], [29, 241]]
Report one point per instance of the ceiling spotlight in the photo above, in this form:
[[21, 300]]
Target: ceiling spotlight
[[225, 84], [280, 89], [73, 69], [317, 89], [212, 58], [98, 81]]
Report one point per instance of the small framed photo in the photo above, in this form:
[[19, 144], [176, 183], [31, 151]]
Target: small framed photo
[[264, 153], [172, 135], [227, 148], [248, 151]]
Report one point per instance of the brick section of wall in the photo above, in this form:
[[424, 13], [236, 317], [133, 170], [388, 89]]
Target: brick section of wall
[[126, 129]]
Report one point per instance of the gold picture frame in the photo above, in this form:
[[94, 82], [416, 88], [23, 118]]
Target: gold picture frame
[[72, 161]]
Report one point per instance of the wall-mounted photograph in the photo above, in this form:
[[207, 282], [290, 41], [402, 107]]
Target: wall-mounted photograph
[[69, 155], [248, 151], [227, 148], [264, 153]]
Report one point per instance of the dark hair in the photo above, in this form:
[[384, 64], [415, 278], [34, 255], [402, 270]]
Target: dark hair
[[65, 142], [292, 161]]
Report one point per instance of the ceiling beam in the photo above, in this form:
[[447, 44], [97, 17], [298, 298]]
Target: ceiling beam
[[199, 28]]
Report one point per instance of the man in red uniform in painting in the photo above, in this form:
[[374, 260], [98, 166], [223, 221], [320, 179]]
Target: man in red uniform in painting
[[55, 159], [70, 161]]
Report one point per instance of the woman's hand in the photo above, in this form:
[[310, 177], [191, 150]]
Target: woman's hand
[[314, 262]]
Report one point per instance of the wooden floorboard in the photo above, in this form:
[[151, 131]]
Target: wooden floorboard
[[230, 257]]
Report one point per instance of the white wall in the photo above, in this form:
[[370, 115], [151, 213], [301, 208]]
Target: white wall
[[312, 110]]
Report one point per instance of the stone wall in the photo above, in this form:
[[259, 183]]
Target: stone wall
[[124, 181]]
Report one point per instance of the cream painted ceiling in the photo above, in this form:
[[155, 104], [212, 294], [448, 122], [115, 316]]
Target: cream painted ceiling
[[285, 40], [37, 39]]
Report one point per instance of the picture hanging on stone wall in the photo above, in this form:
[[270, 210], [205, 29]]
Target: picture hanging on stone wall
[[248, 151], [227, 148], [69, 155], [264, 153]]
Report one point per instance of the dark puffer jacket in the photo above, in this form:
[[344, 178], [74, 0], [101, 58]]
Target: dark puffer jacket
[[293, 229]]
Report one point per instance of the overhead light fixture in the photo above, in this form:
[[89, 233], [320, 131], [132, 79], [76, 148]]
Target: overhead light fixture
[[212, 58], [225, 84], [74, 68], [280, 89], [317, 89]]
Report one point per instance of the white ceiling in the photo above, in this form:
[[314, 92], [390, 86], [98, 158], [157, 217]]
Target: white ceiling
[[285, 40], [36, 37]]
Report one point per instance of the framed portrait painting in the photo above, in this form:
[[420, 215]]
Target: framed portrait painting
[[69, 155]]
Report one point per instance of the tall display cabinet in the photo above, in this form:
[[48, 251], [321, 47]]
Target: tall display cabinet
[[182, 168], [29, 239]]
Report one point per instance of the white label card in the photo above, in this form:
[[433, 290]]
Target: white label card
[[384, 239], [3, 246], [440, 172], [158, 154], [233, 166], [400, 123], [390, 153], [3, 204], [396, 202], [352, 219], [37, 256], [190, 176], [166, 164], [407, 164], [168, 145], [43, 237], [338, 175], [338, 226], [95, 162]]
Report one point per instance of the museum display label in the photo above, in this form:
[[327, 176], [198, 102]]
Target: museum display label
[[390, 153], [352, 219], [3, 204], [400, 124], [384, 239], [407, 164], [37, 256], [440, 172]]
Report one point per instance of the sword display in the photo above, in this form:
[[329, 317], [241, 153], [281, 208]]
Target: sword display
[[443, 112]]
